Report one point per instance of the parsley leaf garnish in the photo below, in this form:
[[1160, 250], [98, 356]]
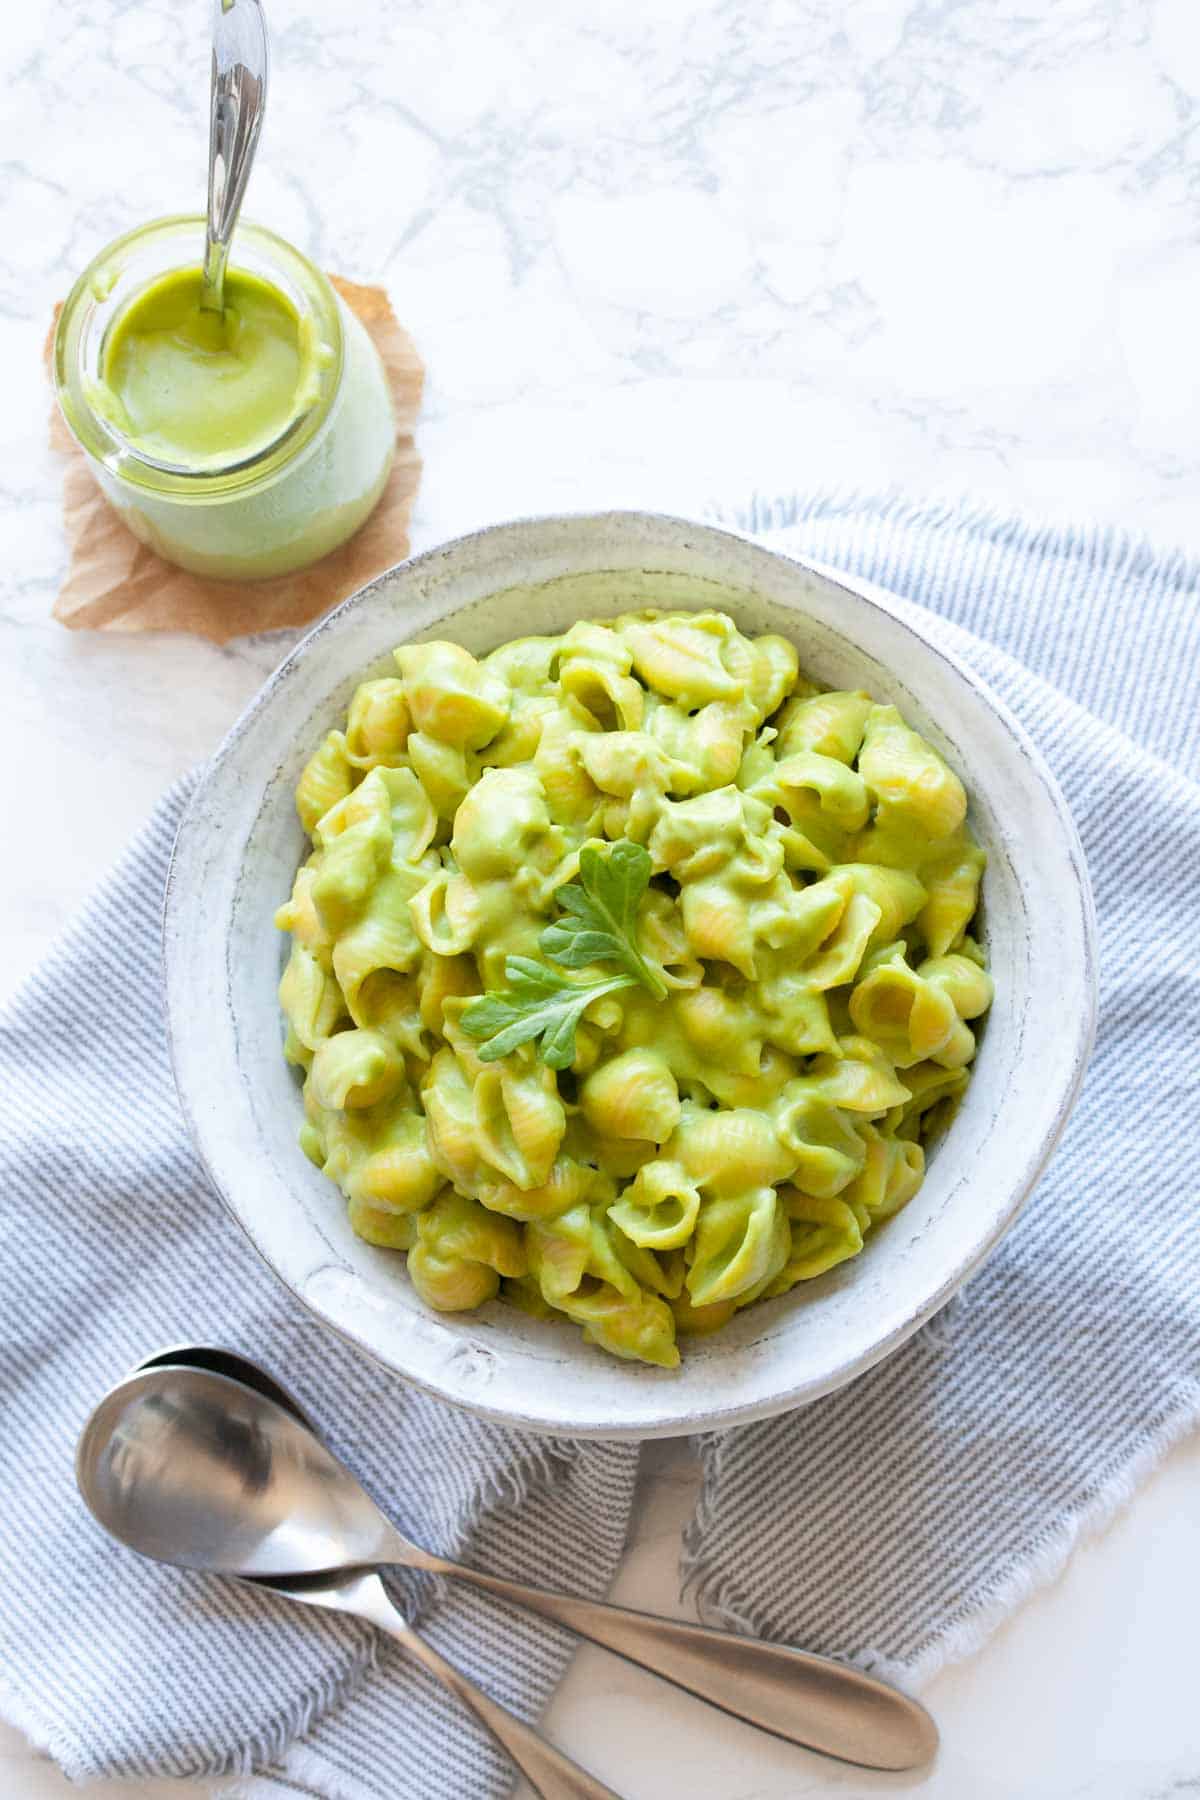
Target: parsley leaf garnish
[[537, 1003], [601, 913], [599, 925]]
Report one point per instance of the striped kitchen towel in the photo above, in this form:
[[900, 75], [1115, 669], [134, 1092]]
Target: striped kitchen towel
[[893, 1523]]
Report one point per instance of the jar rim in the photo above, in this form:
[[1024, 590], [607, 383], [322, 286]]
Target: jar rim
[[98, 292]]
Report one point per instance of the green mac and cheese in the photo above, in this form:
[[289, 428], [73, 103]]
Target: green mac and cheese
[[630, 972]]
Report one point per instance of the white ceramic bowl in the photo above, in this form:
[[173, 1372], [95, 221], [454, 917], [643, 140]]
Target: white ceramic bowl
[[238, 849]]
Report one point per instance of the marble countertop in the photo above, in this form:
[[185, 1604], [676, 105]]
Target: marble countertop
[[664, 256]]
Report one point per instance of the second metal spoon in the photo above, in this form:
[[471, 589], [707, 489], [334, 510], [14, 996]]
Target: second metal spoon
[[170, 1443]]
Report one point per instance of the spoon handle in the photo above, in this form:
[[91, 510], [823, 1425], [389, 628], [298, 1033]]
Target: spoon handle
[[239, 96], [552, 1774], [809, 1700]]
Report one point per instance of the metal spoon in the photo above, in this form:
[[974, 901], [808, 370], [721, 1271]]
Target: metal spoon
[[239, 98], [196, 1468]]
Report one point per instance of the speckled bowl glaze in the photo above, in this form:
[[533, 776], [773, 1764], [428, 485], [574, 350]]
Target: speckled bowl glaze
[[238, 849]]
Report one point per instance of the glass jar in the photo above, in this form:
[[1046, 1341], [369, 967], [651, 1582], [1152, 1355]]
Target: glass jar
[[286, 503]]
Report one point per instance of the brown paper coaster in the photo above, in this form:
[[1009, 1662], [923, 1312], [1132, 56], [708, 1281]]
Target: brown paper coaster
[[114, 583]]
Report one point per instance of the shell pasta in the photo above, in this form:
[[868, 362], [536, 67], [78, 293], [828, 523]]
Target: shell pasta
[[630, 973]]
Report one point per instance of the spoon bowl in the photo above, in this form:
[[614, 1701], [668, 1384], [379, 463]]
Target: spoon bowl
[[192, 1468]]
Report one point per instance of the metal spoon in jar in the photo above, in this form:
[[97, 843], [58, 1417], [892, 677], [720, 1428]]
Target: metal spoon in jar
[[214, 1466], [238, 100]]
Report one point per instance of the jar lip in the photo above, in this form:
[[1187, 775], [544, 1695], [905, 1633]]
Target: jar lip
[[265, 253]]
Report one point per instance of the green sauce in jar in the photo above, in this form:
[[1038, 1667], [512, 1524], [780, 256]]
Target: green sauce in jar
[[202, 389], [242, 446]]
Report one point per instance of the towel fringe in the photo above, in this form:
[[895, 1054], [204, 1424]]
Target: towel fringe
[[719, 1602]]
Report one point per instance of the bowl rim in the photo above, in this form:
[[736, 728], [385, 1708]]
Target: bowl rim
[[668, 1421]]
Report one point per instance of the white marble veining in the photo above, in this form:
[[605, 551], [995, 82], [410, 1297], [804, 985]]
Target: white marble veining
[[657, 256]]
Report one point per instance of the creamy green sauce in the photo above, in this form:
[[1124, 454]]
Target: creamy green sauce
[[203, 390]]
